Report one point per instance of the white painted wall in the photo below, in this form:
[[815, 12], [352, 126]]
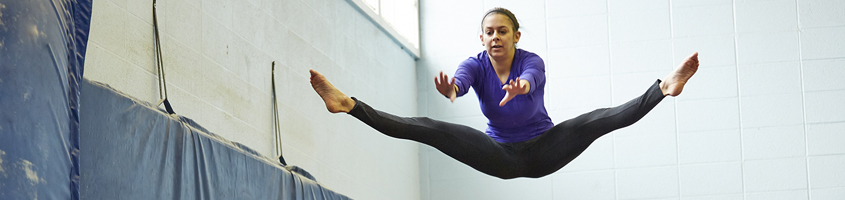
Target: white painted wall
[[762, 119], [217, 55]]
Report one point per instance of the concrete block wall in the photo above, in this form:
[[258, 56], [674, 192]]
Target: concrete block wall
[[762, 119], [217, 57]]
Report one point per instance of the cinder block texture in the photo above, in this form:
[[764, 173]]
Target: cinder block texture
[[762, 118], [217, 57]]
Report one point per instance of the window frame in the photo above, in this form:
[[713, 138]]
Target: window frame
[[382, 24]]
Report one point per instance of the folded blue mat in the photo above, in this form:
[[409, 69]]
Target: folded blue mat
[[133, 150], [42, 50]]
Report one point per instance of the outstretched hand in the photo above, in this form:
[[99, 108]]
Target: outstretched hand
[[445, 86], [514, 88]]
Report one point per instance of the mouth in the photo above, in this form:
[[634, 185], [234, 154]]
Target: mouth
[[497, 46]]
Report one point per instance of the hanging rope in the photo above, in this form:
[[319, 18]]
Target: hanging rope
[[162, 83], [276, 128]]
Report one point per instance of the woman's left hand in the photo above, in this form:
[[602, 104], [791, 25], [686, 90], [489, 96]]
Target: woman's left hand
[[515, 88]]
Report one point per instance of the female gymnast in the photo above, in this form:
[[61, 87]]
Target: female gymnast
[[521, 140]]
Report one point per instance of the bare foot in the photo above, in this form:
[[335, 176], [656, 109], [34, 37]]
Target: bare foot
[[674, 83], [335, 100]]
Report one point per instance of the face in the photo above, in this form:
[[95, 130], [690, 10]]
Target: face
[[498, 36]]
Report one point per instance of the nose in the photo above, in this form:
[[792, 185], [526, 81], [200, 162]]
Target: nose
[[496, 36]]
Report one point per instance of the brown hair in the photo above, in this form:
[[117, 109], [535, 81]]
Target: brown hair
[[500, 10]]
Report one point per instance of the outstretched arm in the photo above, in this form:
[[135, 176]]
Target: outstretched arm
[[533, 75], [446, 86], [520, 86]]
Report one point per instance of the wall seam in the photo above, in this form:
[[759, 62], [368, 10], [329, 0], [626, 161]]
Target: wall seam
[[675, 100], [739, 101], [803, 100], [610, 79]]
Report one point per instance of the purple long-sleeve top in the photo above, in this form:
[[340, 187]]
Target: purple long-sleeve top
[[522, 118]]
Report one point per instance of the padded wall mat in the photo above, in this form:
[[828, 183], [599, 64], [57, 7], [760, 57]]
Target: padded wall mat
[[132, 150]]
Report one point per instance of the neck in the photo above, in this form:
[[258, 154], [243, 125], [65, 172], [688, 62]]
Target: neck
[[503, 65]]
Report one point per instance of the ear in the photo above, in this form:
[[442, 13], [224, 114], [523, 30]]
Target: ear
[[481, 36], [516, 36]]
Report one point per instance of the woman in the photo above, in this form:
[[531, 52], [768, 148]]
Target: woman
[[521, 140]]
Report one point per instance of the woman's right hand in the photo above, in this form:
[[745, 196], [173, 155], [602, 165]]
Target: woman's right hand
[[445, 86]]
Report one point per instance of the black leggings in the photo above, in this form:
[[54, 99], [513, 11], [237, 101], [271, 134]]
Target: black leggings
[[537, 157]]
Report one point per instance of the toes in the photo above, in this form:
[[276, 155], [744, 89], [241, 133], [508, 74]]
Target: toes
[[313, 73]]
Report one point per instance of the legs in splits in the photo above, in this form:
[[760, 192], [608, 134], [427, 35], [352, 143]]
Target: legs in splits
[[562, 143], [558, 146], [463, 143], [536, 157]]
